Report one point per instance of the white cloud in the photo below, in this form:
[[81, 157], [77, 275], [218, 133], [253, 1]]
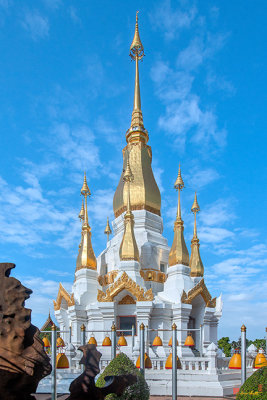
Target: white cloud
[[76, 146], [186, 118], [214, 235], [41, 300], [201, 177], [74, 16], [27, 215], [36, 24], [218, 212], [171, 21], [53, 4]]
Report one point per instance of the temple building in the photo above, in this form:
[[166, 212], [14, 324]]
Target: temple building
[[138, 278]]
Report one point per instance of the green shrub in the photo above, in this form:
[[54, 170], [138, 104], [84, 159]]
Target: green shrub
[[250, 389], [123, 365]]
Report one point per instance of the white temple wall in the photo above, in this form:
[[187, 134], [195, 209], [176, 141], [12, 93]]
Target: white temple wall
[[197, 312]]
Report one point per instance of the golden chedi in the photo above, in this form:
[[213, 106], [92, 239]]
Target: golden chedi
[[128, 247], [195, 264], [144, 191], [178, 253], [86, 256]]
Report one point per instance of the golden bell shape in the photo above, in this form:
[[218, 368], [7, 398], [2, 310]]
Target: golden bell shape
[[189, 341], [148, 363], [235, 362], [260, 360], [122, 341], [170, 342], [92, 340], [60, 342], [62, 361], [168, 364], [46, 342], [106, 341], [157, 341]]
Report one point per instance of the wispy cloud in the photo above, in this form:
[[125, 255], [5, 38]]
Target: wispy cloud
[[170, 19], [36, 25], [199, 177], [53, 4], [41, 300], [186, 118], [74, 15]]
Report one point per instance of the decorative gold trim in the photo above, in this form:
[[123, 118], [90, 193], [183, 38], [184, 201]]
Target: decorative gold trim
[[107, 279], [137, 207], [63, 294], [124, 282], [127, 300], [201, 289], [152, 275]]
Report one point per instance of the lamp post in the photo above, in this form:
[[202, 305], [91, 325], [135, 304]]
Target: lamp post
[[53, 361], [142, 349], [243, 354], [113, 341], [174, 362]]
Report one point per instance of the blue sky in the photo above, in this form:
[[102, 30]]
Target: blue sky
[[66, 93]]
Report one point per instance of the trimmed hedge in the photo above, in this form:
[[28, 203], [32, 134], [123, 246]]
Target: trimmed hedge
[[250, 390], [123, 365]]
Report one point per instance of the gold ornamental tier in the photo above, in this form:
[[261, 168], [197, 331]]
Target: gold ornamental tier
[[144, 191]]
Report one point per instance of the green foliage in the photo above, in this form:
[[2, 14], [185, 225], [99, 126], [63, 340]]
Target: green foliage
[[259, 343], [225, 345], [123, 365], [251, 389], [48, 334]]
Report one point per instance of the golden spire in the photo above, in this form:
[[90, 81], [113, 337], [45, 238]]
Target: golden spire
[[128, 247], [137, 132], [107, 230], [195, 263], [81, 217], [86, 257], [178, 253]]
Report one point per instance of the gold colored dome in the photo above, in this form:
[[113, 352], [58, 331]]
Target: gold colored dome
[[144, 191]]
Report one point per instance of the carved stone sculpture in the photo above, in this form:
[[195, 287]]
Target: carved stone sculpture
[[83, 387], [23, 361]]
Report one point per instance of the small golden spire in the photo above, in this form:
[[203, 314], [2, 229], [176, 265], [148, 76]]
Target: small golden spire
[[195, 264], [86, 256], [128, 247], [107, 230], [81, 215], [137, 131], [178, 253]]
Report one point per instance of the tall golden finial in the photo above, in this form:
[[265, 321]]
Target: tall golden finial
[[107, 230], [137, 132], [195, 264], [86, 257], [128, 247], [178, 253]]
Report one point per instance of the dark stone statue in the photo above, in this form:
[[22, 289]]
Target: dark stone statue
[[23, 361], [83, 387]]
